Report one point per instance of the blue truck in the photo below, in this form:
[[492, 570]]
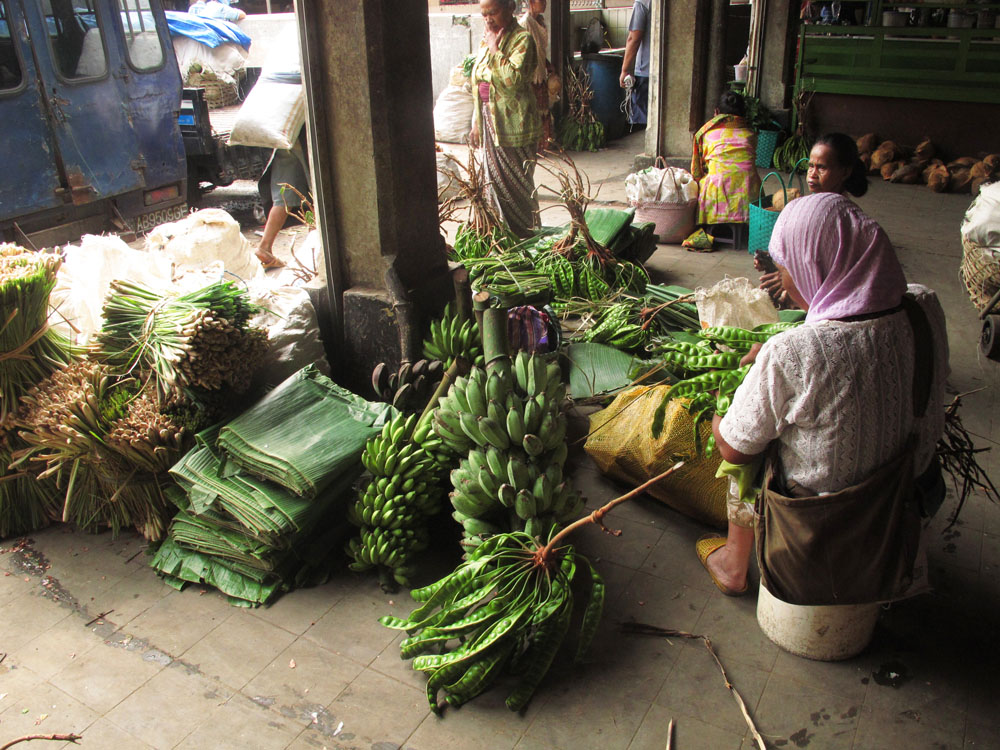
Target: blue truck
[[98, 131]]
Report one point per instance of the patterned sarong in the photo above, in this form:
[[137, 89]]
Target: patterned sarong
[[510, 180]]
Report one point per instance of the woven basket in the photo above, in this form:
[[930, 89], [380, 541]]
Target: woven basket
[[762, 218], [980, 271], [767, 140], [218, 93], [674, 221]]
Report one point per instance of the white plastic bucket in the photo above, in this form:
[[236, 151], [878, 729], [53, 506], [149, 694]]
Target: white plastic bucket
[[823, 633], [740, 72]]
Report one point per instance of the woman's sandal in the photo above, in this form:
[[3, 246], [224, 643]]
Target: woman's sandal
[[705, 547], [270, 262]]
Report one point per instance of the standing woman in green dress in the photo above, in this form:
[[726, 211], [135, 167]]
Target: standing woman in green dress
[[506, 126]]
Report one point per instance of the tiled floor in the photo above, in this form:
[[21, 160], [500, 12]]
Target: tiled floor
[[165, 669]]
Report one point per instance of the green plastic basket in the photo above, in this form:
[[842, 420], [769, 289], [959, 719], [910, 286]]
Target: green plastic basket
[[767, 141], [762, 221]]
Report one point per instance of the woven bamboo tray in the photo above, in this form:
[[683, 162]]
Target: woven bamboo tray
[[980, 272]]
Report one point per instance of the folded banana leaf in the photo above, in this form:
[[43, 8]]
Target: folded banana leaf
[[303, 434], [606, 224], [597, 369], [243, 586]]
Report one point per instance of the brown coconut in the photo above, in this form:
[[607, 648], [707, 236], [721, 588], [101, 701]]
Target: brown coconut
[[884, 154], [993, 162], [867, 143], [980, 170], [866, 159], [963, 162], [933, 164], [976, 184], [888, 170], [925, 149], [938, 178], [960, 181], [908, 174], [778, 199]]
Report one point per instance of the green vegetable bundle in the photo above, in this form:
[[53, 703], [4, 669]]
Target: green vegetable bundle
[[507, 608], [106, 447], [26, 502], [29, 349], [710, 367], [192, 343], [580, 130]]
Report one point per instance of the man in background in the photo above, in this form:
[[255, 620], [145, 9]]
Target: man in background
[[636, 62]]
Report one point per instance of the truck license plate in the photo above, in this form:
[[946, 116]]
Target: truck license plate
[[153, 219]]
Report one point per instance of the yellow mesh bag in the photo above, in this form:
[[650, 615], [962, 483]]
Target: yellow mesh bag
[[622, 446]]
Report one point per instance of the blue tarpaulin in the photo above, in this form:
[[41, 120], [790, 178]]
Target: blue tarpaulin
[[208, 31]]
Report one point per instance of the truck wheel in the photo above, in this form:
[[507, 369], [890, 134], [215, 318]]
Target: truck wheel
[[989, 340]]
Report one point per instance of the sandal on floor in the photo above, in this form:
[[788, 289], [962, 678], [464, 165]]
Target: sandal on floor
[[705, 547], [270, 262]]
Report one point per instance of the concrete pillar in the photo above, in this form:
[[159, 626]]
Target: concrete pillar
[[370, 104], [678, 61], [716, 72]]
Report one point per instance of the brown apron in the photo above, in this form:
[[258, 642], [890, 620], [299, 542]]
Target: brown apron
[[855, 546]]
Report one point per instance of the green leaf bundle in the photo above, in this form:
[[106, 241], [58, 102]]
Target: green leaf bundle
[[29, 349]]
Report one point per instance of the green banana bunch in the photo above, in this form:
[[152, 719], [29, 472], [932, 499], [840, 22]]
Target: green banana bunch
[[392, 508], [410, 387], [452, 338], [509, 431], [507, 608]]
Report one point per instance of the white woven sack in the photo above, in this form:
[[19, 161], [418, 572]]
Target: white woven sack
[[448, 171], [981, 224], [205, 236], [293, 339], [453, 115], [85, 277], [656, 185], [271, 117], [275, 109]]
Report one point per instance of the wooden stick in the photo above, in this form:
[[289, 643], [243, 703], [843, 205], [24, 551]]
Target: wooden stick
[[57, 737], [598, 515], [670, 735], [103, 614], [642, 629]]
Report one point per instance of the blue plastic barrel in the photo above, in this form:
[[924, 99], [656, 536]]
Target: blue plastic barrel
[[604, 71]]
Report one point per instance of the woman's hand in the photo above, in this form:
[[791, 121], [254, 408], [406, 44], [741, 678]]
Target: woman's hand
[[474, 137], [492, 39], [771, 283], [751, 356]]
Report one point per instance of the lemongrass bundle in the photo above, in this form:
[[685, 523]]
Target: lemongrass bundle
[[189, 342], [68, 437], [26, 502], [29, 349]]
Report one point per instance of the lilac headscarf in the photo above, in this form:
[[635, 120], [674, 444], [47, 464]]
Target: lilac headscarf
[[841, 261]]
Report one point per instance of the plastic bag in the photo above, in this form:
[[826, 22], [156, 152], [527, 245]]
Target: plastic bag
[[202, 238], [85, 277], [622, 446], [661, 185], [293, 339], [734, 302], [227, 58], [275, 109], [453, 115], [981, 224]]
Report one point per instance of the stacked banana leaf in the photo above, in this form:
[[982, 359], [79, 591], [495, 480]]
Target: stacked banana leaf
[[264, 497]]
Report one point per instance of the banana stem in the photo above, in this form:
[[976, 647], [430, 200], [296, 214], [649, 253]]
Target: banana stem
[[458, 367], [544, 554]]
